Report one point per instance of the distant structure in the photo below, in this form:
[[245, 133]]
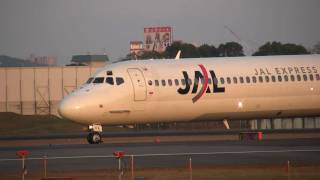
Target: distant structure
[[89, 60], [7, 61], [157, 38], [136, 47], [43, 60], [38, 90]]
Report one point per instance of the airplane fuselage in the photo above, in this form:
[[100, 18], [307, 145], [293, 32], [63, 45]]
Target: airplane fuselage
[[148, 91]]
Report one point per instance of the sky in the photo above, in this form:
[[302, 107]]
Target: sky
[[63, 28]]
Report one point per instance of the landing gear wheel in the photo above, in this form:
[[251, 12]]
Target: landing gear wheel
[[94, 138]]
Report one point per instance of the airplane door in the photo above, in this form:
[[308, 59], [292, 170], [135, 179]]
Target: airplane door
[[139, 84]]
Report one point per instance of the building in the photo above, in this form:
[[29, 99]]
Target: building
[[157, 38], [136, 47], [38, 90], [90, 60], [44, 60]]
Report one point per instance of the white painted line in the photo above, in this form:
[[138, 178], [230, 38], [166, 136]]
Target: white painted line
[[229, 152], [168, 154], [62, 157]]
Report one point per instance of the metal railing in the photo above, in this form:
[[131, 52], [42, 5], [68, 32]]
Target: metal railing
[[130, 162]]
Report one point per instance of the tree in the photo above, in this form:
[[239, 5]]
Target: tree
[[277, 48], [230, 49], [206, 50], [316, 48], [187, 50], [172, 50], [151, 55], [143, 55]]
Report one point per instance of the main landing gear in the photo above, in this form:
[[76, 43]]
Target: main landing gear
[[94, 136]]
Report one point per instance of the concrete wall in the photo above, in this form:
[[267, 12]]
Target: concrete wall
[[38, 90]]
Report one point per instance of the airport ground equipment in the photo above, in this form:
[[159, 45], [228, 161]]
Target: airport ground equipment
[[251, 136]]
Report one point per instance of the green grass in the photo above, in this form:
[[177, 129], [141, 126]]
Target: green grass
[[14, 124]]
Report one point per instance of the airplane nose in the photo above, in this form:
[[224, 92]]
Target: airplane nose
[[68, 109]]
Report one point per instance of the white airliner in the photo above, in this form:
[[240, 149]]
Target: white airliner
[[149, 91]]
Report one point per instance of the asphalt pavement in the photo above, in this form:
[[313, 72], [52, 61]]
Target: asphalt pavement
[[167, 154]]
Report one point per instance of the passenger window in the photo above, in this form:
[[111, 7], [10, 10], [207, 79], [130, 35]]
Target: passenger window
[[196, 81], [189, 81], [170, 82], [89, 80], [248, 79], [285, 77], [176, 81], [298, 77], [215, 80], [267, 78], [261, 79], [228, 80], [163, 82], [156, 82], [273, 78], [183, 82], [222, 80], [305, 77], [254, 79], [98, 80], [311, 77], [235, 80], [241, 80], [292, 77], [119, 80], [279, 78], [150, 83], [109, 80], [317, 77]]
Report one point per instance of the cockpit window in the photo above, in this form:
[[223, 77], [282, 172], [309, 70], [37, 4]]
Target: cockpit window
[[89, 80], [98, 80], [119, 80], [109, 80]]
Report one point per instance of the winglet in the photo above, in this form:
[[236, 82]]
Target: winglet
[[178, 55]]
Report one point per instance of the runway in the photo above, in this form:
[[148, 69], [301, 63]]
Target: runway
[[167, 154]]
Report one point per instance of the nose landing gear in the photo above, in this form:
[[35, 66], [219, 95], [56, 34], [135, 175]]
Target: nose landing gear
[[94, 137]]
